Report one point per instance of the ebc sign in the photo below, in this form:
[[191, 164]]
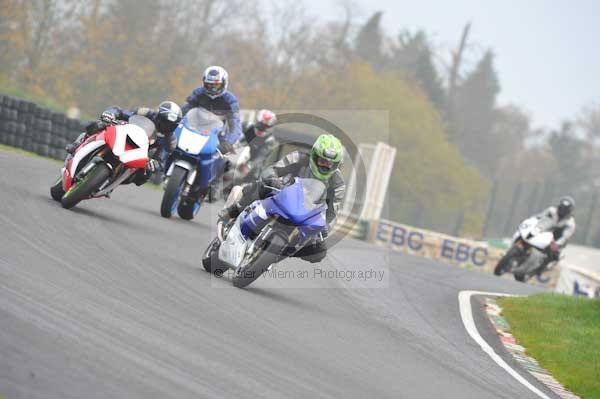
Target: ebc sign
[[399, 236], [429, 244]]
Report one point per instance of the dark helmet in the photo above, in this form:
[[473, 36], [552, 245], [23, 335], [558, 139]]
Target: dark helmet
[[168, 117], [566, 206]]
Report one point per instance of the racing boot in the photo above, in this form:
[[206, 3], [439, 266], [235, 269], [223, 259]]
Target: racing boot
[[70, 148], [231, 210]]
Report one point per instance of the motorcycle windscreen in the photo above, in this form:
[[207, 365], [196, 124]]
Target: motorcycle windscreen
[[197, 133], [201, 121], [146, 125], [303, 200]]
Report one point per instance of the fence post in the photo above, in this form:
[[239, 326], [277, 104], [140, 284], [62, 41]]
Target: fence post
[[490, 210], [531, 209], [546, 195], [460, 218], [590, 217], [513, 205]]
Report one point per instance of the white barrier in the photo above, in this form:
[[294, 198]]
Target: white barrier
[[577, 281], [465, 253]]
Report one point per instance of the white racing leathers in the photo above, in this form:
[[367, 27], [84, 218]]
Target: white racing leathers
[[562, 229]]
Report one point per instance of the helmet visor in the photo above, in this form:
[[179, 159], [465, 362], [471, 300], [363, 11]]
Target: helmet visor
[[324, 165], [262, 127], [213, 87]]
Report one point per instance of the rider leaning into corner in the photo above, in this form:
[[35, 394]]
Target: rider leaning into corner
[[166, 118], [260, 140], [322, 163], [560, 221], [214, 97]]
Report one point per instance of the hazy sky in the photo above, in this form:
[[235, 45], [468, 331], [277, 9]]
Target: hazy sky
[[547, 52]]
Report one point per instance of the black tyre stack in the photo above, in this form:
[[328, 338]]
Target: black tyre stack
[[26, 125]]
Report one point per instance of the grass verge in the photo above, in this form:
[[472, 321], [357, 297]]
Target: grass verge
[[20, 151], [563, 334]]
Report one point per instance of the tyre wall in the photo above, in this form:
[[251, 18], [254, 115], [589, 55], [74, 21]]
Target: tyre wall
[[28, 126]]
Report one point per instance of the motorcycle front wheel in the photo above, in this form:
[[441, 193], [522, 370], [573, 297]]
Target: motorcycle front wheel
[[504, 263], [210, 258], [85, 187], [170, 198], [56, 191], [253, 267]]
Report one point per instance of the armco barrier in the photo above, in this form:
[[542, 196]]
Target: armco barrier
[[26, 125], [462, 252]]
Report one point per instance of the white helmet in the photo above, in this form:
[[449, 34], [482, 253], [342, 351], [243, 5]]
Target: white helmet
[[265, 119], [215, 81]]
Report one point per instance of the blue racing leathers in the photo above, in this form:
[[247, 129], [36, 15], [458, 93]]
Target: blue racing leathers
[[225, 105]]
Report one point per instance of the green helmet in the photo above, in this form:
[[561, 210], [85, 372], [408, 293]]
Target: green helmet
[[325, 157]]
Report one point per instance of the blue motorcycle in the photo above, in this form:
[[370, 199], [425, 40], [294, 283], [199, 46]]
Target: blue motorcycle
[[193, 165], [269, 230]]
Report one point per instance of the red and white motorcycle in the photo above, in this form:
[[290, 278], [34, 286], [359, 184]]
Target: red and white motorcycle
[[105, 160]]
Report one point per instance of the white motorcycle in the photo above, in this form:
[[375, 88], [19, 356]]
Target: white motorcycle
[[528, 250]]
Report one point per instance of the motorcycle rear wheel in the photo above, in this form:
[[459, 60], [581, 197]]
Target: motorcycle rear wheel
[[86, 186]]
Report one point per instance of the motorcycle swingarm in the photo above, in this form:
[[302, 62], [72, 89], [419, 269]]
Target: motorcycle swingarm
[[109, 189]]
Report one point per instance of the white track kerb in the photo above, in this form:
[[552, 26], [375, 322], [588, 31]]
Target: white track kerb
[[466, 313]]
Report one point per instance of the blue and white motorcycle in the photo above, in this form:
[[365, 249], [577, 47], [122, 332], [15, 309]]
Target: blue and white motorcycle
[[193, 165], [269, 230]]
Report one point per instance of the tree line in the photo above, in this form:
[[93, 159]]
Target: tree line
[[440, 110]]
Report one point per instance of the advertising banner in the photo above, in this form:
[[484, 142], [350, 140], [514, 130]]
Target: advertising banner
[[462, 252]]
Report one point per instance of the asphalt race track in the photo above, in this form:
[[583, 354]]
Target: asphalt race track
[[109, 300]]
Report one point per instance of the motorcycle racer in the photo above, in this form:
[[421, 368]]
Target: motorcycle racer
[[214, 97], [259, 138], [560, 221], [322, 163], [166, 118]]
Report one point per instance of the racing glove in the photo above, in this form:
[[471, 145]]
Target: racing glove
[[108, 117], [94, 127], [281, 182], [152, 166], [225, 147], [554, 250]]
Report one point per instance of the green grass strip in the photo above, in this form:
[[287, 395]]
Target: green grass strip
[[20, 151], [563, 334]]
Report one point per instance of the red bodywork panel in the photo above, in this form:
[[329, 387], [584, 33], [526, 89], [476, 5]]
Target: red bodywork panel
[[67, 179], [110, 136]]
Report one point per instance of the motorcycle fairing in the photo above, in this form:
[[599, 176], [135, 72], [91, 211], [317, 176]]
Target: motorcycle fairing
[[133, 156], [197, 143], [86, 148], [541, 241], [288, 204], [529, 231], [233, 249]]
